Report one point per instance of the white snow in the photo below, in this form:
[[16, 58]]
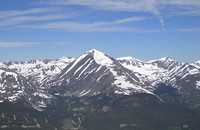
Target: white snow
[[3, 65], [121, 82], [99, 68], [75, 63], [150, 73], [41, 70], [190, 71], [2, 91], [84, 93], [123, 92], [13, 74], [42, 95], [146, 72], [198, 85], [129, 58], [85, 68], [15, 86], [42, 104], [12, 98], [166, 58], [101, 58], [101, 77], [81, 66], [198, 62]]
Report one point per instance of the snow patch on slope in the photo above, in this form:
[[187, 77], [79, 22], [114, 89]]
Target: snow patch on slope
[[198, 85], [126, 86], [166, 58], [130, 59]]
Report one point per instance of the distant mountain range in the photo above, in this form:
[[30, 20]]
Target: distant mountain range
[[78, 92], [95, 72]]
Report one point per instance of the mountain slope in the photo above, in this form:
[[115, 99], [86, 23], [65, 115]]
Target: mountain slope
[[14, 86], [95, 72], [164, 70], [169, 79]]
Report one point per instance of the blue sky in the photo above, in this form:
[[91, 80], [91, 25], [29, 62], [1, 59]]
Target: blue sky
[[144, 29]]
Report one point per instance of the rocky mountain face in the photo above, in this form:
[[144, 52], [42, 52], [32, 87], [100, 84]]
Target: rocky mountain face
[[95, 72]]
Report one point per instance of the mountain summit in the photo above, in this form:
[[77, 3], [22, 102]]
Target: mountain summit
[[95, 72]]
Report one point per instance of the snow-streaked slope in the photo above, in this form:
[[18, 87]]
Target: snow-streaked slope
[[163, 70], [95, 72], [165, 63], [39, 71], [148, 73], [14, 86]]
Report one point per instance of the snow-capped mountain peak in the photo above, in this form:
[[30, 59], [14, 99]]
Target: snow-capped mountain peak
[[101, 58], [95, 72], [197, 64], [166, 58], [93, 51]]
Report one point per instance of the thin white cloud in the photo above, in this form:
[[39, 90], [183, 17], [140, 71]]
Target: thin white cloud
[[114, 5], [25, 19], [15, 44], [183, 2], [120, 21], [15, 17], [156, 7], [190, 12], [127, 5], [14, 13], [119, 5], [79, 27], [112, 26]]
